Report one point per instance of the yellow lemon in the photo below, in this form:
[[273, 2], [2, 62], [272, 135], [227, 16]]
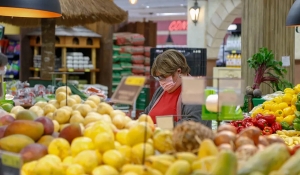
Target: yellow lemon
[[139, 151], [121, 136], [29, 167], [104, 142], [59, 147], [126, 151], [105, 169], [88, 159], [114, 158], [75, 169], [80, 144]]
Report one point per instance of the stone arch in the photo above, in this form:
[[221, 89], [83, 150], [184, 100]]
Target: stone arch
[[217, 25]]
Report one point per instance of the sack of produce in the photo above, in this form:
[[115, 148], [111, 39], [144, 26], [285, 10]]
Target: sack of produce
[[137, 59], [133, 50]]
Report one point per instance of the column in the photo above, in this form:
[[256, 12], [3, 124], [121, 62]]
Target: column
[[263, 25], [196, 33]]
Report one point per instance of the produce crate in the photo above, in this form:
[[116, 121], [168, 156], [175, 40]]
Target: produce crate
[[257, 101]]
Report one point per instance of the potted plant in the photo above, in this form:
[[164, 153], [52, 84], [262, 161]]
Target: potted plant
[[268, 71]]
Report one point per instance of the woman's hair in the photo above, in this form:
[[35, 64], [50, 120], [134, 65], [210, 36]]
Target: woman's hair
[[168, 62]]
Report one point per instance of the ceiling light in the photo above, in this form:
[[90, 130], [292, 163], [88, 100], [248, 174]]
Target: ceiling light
[[147, 7], [194, 12], [232, 27], [170, 14], [133, 2], [30, 8], [293, 18]]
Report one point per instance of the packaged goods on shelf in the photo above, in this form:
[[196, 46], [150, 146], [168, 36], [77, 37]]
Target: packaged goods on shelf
[[147, 70], [117, 67], [123, 39], [76, 60], [147, 51], [147, 61], [138, 68], [133, 50], [125, 57], [137, 59]]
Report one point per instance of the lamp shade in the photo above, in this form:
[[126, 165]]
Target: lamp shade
[[30, 8], [194, 12], [293, 18]]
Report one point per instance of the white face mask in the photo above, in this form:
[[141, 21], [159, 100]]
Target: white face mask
[[3, 71]]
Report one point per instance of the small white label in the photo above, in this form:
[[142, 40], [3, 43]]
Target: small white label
[[165, 122], [193, 90], [286, 61]]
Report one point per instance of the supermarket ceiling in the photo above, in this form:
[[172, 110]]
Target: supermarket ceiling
[[154, 9]]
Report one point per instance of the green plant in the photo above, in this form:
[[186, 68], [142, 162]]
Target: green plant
[[268, 70]]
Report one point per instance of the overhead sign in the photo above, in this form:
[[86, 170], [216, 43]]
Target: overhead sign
[[178, 26]]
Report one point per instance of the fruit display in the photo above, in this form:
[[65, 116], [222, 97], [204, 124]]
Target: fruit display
[[266, 122], [291, 137]]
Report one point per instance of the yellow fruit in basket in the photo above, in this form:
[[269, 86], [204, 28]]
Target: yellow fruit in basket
[[28, 168], [287, 98], [267, 106], [127, 119], [131, 124], [275, 107], [121, 136], [64, 89], [46, 166], [59, 147], [277, 99], [288, 111], [37, 110], [289, 91], [105, 169], [87, 159], [139, 151], [126, 151], [60, 96], [114, 158], [96, 99], [97, 128], [16, 109], [56, 125], [116, 112], [62, 116], [54, 102], [75, 169], [92, 118], [162, 141], [289, 119], [84, 109], [119, 121], [104, 108], [106, 118], [282, 105], [49, 108], [67, 102], [104, 142], [41, 104], [77, 118], [91, 103], [80, 144], [68, 160], [137, 133], [294, 100], [76, 98]]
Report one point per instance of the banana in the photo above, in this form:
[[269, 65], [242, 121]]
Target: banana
[[162, 156], [179, 167], [190, 157], [205, 164], [159, 164], [207, 148]]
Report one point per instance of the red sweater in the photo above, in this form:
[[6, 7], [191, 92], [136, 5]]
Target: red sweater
[[167, 105]]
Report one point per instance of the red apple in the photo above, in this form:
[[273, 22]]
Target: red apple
[[2, 130], [6, 120], [48, 125]]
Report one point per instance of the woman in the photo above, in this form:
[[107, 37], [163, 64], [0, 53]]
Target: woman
[[168, 68]]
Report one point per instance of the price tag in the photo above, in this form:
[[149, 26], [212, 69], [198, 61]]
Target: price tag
[[135, 81], [71, 70], [286, 61], [128, 90], [11, 163], [231, 92], [36, 69], [233, 51], [87, 70], [165, 122], [193, 90]]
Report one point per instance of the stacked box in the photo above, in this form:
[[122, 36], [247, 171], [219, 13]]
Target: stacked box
[[37, 62], [143, 99], [76, 60]]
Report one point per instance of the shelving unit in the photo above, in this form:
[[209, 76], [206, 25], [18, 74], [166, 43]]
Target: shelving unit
[[69, 38]]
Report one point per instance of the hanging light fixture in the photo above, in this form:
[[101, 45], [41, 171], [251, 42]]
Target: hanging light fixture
[[169, 39], [293, 18], [30, 8], [133, 2], [194, 12]]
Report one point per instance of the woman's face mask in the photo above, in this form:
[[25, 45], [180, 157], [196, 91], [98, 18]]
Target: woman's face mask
[[167, 84]]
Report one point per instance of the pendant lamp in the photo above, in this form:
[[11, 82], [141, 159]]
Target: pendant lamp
[[169, 39], [293, 18], [30, 8]]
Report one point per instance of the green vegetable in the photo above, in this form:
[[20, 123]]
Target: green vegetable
[[297, 114], [296, 126], [297, 104], [297, 120], [291, 127], [298, 97], [285, 125]]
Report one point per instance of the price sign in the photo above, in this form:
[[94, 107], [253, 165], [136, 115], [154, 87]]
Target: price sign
[[87, 70], [193, 90], [71, 70], [128, 90], [11, 163], [233, 51], [165, 122]]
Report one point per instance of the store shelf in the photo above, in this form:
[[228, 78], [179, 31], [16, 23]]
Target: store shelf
[[68, 70], [233, 51]]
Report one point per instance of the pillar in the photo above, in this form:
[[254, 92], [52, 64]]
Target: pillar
[[263, 25], [196, 33]]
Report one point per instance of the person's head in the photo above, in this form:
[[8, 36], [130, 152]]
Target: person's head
[[168, 67]]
